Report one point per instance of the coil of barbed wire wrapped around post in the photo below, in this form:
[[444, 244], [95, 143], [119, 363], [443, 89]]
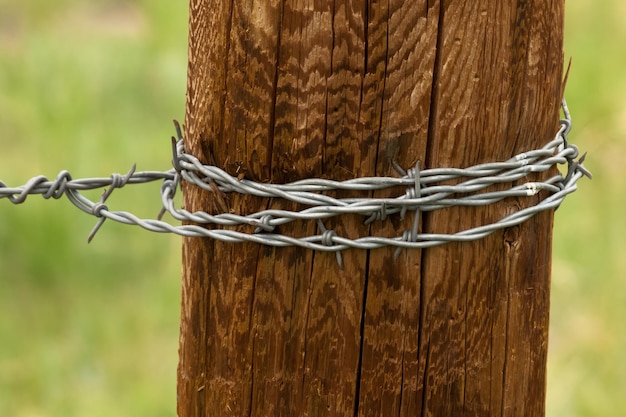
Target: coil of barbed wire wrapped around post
[[426, 190]]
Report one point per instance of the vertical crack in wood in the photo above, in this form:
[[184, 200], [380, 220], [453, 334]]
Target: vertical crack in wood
[[366, 22], [402, 375], [521, 39], [305, 332], [425, 387], [433, 121], [465, 352], [431, 138], [251, 332], [229, 29], [421, 330], [330, 70], [506, 339], [359, 368], [272, 123], [383, 108], [251, 397]]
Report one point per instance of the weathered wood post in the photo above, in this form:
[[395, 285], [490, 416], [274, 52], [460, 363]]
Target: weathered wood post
[[281, 90]]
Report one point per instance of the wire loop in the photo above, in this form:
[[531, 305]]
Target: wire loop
[[425, 191]]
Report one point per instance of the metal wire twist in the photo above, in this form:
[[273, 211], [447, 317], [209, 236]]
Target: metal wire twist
[[426, 190]]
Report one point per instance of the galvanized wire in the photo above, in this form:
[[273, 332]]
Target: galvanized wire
[[425, 190]]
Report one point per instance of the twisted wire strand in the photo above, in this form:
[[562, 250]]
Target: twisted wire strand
[[423, 193]]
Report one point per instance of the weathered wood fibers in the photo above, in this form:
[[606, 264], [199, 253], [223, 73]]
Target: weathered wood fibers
[[283, 90]]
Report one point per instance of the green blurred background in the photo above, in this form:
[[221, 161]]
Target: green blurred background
[[91, 87]]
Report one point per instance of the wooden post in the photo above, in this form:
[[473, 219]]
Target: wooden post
[[281, 90]]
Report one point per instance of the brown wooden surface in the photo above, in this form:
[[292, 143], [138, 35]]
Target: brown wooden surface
[[281, 90]]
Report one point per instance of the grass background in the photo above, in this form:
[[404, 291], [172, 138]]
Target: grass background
[[91, 86]]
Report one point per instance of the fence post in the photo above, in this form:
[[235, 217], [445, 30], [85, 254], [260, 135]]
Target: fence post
[[280, 90]]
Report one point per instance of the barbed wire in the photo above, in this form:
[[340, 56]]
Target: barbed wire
[[425, 190]]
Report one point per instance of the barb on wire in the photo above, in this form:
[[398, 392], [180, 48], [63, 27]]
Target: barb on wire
[[426, 190], [117, 181]]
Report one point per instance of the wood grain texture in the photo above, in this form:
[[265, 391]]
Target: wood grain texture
[[280, 90]]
